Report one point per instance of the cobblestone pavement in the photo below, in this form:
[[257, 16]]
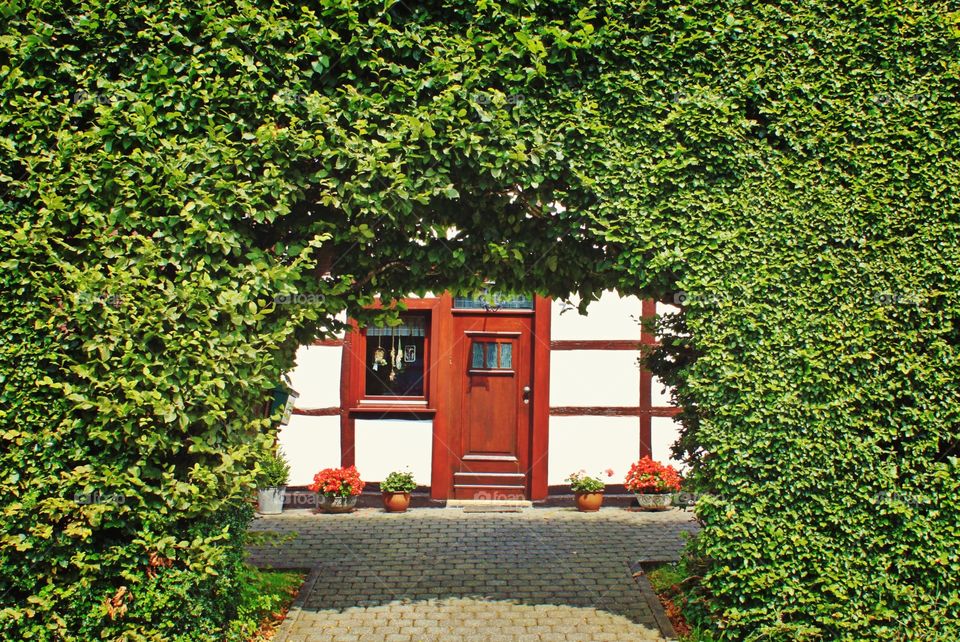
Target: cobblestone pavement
[[442, 574]]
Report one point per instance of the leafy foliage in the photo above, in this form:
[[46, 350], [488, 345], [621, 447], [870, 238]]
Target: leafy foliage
[[398, 482], [581, 482], [263, 594], [190, 191], [274, 470], [817, 354], [675, 585]]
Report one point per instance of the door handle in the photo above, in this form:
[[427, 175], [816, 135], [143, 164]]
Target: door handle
[[526, 394]]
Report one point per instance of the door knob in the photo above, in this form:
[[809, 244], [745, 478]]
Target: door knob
[[526, 394]]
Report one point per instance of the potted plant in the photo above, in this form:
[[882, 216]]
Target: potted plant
[[652, 483], [396, 489], [272, 483], [587, 490], [337, 489]]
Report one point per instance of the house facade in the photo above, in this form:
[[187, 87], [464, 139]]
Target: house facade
[[483, 398]]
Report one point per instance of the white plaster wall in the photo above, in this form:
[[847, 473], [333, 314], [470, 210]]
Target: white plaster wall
[[310, 445], [594, 378], [316, 376], [385, 445], [660, 394], [593, 444], [666, 308], [663, 433], [611, 317]]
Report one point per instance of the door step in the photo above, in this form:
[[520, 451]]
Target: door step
[[489, 487], [510, 480], [490, 506]]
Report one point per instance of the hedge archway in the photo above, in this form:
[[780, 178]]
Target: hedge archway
[[171, 173]]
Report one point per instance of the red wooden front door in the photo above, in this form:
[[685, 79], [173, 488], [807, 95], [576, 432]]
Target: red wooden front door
[[492, 360]]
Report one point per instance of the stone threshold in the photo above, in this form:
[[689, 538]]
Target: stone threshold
[[489, 505]]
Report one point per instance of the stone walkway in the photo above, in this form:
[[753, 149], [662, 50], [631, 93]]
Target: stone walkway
[[442, 574]]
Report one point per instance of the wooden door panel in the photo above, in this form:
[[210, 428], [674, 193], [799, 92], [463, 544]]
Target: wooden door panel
[[490, 408]]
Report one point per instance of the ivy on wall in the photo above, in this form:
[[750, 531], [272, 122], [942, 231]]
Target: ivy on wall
[[190, 191]]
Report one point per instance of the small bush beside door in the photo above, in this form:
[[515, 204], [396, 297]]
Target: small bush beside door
[[272, 483]]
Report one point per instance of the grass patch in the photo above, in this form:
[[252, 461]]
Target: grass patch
[[667, 576], [674, 584], [262, 601]]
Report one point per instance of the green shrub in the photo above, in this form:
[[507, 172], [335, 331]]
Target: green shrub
[[274, 470], [261, 594], [170, 598], [177, 216]]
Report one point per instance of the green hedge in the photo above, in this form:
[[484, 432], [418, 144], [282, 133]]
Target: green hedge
[[190, 191], [801, 193]]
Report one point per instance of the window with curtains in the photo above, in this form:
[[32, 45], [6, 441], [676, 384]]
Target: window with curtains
[[396, 358]]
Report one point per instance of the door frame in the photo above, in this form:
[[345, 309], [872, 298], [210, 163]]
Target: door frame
[[445, 425], [440, 404], [490, 392]]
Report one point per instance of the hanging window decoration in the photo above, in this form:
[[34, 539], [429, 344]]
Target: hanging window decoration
[[379, 356], [395, 358]]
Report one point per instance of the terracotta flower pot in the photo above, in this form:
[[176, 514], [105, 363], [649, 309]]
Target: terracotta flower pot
[[588, 502], [395, 502]]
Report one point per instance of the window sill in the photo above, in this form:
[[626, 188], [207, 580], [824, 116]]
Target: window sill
[[380, 409]]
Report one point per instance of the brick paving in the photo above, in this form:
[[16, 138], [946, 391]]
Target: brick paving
[[442, 574]]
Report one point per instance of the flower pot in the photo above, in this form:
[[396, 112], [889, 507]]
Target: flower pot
[[270, 500], [336, 504], [396, 502], [588, 502], [654, 501]]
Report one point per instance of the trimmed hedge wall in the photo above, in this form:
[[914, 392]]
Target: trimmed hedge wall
[[801, 193], [191, 190]]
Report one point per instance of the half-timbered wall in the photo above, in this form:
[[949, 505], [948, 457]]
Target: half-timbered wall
[[604, 411], [311, 441]]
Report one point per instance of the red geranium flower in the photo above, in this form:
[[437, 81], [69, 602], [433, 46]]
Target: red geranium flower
[[648, 476], [337, 482]]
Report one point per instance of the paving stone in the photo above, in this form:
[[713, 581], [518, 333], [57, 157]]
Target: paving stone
[[440, 574]]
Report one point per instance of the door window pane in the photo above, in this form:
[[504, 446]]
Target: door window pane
[[491, 355], [506, 355], [476, 360]]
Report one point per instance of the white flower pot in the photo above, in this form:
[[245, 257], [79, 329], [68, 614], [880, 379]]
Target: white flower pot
[[270, 500], [328, 504], [651, 501]]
